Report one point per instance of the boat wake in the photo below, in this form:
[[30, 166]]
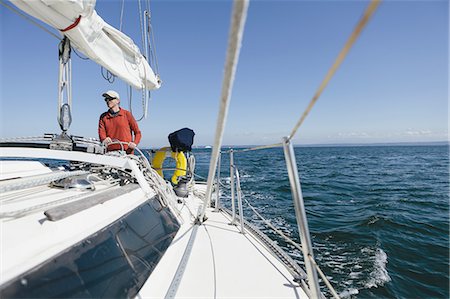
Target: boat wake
[[376, 278], [348, 293], [379, 276]]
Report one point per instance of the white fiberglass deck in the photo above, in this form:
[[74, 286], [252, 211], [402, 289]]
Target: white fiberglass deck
[[215, 260], [211, 260], [28, 240]]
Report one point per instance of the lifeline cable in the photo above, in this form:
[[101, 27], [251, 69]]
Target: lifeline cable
[[259, 147], [296, 245]]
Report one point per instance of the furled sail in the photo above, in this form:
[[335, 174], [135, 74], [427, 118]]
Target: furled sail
[[91, 35]]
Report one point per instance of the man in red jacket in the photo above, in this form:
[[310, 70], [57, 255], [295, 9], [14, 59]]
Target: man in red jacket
[[118, 124]]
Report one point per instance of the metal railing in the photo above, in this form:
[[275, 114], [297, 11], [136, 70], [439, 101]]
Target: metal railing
[[219, 161], [233, 207], [239, 197], [306, 245], [300, 214]]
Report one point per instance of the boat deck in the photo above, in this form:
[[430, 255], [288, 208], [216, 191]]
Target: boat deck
[[211, 260], [215, 260]]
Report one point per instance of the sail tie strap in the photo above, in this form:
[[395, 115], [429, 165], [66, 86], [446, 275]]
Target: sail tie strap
[[73, 25]]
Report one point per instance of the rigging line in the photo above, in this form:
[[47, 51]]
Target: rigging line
[[141, 25], [155, 56], [152, 43], [26, 17], [148, 34], [147, 5], [121, 15], [202, 177], [355, 34], [296, 245], [234, 45], [108, 76], [144, 47], [274, 145], [151, 48], [147, 30], [130, 97], [325, 280], [143, 105], [270, 225], [79, 56], [148, 100]]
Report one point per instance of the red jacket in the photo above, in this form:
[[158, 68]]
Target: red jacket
[[121, 127]]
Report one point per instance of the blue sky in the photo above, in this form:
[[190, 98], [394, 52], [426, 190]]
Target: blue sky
[[392, 87]]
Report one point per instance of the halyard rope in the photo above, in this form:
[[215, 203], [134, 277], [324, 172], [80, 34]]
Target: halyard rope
[[121, 15], [30, 19], [355, 34], [234, 45]]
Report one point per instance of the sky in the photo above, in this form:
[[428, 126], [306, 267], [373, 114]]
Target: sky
[[392, 87]]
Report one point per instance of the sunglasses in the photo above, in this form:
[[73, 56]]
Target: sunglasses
[[109, 99]]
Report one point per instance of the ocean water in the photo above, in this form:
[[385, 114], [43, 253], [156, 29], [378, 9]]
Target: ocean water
[[378, 215]]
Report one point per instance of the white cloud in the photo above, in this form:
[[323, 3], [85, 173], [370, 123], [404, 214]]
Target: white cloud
[[412, 132], [352, 135]]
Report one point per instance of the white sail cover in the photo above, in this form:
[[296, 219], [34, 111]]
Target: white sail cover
[[91, 35]]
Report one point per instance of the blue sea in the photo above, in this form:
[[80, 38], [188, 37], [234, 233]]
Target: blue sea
[[378, 215]]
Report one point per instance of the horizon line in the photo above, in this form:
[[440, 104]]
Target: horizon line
[[404, 143]]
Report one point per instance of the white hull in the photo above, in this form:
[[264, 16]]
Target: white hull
[[41, 225]]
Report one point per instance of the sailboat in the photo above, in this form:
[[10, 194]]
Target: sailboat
[[106, 224]]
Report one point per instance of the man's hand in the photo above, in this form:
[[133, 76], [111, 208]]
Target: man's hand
[[131, 145], [107, 140]]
